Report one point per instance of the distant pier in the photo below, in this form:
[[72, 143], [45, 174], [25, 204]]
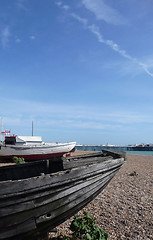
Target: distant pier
[[113, 147]]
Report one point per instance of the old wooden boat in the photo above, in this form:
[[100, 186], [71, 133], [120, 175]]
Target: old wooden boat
[[32, 148], [35, 197]]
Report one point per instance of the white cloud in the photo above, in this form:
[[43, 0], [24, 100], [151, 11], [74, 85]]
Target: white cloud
[[61, 5], [80, 19], [95, 30], [69, 116], [109, 15], [5, 35], [146, 68], [66, 7], [104, 12], [32, 37], [17, 40], [21, 4], [116, 48], [95, 125], [58, 3]]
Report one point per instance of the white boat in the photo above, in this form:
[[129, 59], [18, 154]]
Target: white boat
[[32, 148]]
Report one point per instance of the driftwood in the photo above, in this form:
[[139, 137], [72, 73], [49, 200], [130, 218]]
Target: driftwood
[[36, 197]]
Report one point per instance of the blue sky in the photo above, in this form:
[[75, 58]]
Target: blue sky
[[82, 70]]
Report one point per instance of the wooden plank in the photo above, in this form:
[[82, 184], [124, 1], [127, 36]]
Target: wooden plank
[[69, 210], [15, 207], [73, 199], [33, 184], [63, 215], [86, 155], [43, 202], [57, 203], [72, 163], [7, 232]]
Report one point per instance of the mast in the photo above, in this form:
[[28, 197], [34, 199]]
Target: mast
[[32, 127], [1, 129]]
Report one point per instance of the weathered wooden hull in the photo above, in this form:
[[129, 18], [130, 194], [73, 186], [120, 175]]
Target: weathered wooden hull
[[38, 204]]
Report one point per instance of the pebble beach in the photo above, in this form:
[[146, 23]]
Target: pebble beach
[[124, 208]]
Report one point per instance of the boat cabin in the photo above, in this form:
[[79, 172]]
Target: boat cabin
[[12, 140]]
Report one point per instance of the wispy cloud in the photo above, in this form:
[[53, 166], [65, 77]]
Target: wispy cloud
[[32, 37], [104, 12], [112, 16], [17, 40], [95, 30], [66, 7], [61, 5], [58, 3], [84, 21], [146, 68], [5, 35], [21, 4], [68, 116]]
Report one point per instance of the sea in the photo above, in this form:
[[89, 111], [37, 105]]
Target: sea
[[100, 148]]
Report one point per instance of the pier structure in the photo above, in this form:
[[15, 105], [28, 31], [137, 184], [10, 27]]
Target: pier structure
[[115, 147]]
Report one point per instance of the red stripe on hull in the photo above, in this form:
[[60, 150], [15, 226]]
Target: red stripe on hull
[[33, 157]]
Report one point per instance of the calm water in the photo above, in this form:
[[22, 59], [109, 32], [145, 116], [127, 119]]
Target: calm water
[[98, 148]]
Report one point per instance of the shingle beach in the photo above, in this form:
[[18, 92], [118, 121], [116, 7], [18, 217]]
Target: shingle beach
[[124, 208]]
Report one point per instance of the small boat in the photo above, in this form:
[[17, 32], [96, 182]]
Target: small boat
[[32, 148], [37, 196]]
